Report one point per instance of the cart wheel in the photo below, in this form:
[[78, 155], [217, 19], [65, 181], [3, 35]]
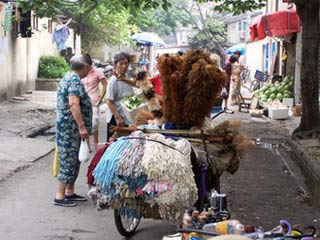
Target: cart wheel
[[126, 226]]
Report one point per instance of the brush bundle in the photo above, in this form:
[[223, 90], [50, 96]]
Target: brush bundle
[[173, 85], [189, 87]]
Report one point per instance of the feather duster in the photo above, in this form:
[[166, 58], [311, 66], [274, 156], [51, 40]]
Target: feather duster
[[204, 82], [189, 87], [177, 95], [168, 65], [192, 57], [143, 117]]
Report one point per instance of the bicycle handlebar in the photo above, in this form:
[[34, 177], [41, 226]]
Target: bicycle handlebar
[[222, 111]]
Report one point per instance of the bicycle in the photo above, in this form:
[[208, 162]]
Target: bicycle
[[259, 79], [245, 75]]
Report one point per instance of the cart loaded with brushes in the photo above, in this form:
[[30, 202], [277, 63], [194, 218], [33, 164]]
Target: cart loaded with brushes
[[160, 172]]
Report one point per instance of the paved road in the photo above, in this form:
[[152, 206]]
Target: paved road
[[267, 187], [27, 213]]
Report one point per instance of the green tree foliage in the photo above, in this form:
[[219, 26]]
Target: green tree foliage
[[74, 8], [51, 8], [109, 21], [209, 33], [166, 22], [211, 37], [112, 28], [98, 21], [238, 6]]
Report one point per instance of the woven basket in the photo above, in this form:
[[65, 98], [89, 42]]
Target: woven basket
[[297, 110]]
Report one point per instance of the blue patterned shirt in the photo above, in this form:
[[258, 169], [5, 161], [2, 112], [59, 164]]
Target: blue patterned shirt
[[71, 84]]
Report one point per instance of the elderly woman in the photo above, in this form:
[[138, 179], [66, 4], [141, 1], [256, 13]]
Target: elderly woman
[[119, 87], [73, 123]]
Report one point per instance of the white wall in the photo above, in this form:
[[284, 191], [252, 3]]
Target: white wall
[[254, 56], [19, 58]]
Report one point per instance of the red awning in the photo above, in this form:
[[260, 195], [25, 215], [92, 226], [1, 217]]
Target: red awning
[[257, 29], [274, 25]]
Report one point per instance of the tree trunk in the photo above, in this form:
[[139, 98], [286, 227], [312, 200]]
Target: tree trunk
[[309, 15]]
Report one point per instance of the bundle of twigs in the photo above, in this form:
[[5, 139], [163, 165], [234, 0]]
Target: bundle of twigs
[[189, 87]]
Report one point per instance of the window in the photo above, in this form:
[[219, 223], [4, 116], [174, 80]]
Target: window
[[266, 57], [35, 22], [50, 26], [242, 25]]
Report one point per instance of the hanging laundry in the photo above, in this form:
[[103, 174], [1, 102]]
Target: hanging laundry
[[8, 17], [60, 36]]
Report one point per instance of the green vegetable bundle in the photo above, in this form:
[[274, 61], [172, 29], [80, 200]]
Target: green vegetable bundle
[[132, 102]]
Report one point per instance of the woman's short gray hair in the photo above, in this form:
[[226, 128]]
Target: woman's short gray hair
[[121, 56], [77, 62]]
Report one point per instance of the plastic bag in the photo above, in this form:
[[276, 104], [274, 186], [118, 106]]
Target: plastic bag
[[224, 93], [55, 167], [83, 155]]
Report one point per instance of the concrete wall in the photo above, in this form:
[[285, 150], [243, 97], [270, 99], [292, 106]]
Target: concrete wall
[[19, 58]]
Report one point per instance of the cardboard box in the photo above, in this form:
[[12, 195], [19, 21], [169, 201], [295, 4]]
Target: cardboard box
[[278, 113], [131, 114], [288, 102]]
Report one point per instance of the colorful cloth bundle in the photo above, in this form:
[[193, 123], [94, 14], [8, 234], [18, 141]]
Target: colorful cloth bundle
[[146, 169], [105, 170], [130, 162]]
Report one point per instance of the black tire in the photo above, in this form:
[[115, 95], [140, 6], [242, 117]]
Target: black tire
[[122, 229]]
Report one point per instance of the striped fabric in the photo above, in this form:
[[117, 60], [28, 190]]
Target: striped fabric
[[8, 17]]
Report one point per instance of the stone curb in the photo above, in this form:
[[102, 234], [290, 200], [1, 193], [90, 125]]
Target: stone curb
[[307, 162]]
